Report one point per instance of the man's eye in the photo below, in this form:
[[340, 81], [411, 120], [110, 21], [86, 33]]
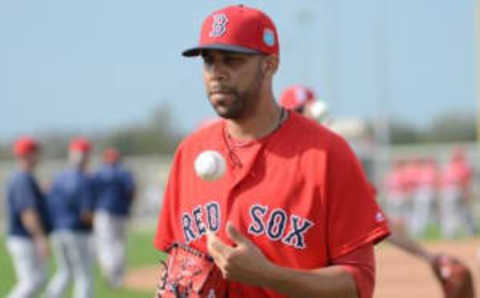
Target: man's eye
[[207, 60], [232, 60]]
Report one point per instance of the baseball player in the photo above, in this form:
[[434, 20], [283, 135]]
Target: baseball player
[[424, 196], [454, 277], [115, 190], [455, 195], [397, 195], [303, 100], [71, 202], [28, 222], [411, 171], [293, 215]]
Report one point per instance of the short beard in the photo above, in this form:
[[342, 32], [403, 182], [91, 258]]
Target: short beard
[[235, 110], [246, 102]]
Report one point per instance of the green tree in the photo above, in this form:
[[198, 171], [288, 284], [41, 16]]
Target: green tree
[[402, 132], [453, 126], [155, 136]]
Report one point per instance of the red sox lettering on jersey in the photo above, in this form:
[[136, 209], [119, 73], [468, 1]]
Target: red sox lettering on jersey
[[262, 223]]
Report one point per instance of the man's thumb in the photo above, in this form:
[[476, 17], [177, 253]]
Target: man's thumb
[[235, 235]]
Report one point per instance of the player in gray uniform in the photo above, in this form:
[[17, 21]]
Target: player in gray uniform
[[115, 190], [71, 201], [28, 222]]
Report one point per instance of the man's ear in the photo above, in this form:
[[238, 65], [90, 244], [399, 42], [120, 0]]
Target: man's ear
[[270, 65]]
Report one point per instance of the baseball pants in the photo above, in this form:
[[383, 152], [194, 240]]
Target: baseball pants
[[29, 267], [110, 237], [451, 211], [73, 253], [422, 206], [398, 209]]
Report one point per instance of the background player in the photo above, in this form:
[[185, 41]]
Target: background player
[[397, 196], [455, 203], [286, 234], [28, 222], [454, 277], [428, 180], [303, 100], [71, 202], [115, 190]]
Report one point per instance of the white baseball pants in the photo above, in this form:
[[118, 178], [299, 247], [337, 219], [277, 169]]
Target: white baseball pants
[[29, 267], [73, 253]]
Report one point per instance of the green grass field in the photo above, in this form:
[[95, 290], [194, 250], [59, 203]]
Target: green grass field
[[140, 253]]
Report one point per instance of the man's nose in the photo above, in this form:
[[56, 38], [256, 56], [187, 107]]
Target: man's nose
[[217, 71]]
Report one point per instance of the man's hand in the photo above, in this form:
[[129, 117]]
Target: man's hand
[[31, 220], [87, 218], [244, 262], [42, 247], [454, 276]]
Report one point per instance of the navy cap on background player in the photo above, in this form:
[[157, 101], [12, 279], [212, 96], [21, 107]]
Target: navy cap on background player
[[238, 29]]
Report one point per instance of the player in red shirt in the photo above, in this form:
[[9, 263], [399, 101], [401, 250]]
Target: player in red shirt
[[293, 216], [397, 195], [424, 195], [455, 204], [303, 100]]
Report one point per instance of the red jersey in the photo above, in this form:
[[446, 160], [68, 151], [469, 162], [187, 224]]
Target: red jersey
[[411, 173], [299, 194], [428, 176], [396, 183], [457, 173]]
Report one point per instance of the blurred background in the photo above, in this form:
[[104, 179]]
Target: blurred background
[[399, 77]]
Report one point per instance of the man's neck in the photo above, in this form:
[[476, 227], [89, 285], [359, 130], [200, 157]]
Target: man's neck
[[24, 167], [78, 166], [262, 122]]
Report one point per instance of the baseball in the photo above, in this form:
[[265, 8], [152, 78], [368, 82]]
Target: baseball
[[210, 165], [318, 109]]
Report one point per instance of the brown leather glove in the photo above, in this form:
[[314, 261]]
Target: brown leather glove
[[190, 273], [454, 276]]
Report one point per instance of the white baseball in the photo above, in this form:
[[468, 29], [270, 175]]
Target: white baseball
[[319, 110], [210, 165]]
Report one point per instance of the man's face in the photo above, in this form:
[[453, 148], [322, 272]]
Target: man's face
[[302, 110], [233, 82], [78, 158], [30, 160]]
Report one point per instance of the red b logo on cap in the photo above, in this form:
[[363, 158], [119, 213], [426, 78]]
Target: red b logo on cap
[[219, 25]]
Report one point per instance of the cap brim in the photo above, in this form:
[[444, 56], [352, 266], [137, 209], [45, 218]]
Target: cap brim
[[223, 47]]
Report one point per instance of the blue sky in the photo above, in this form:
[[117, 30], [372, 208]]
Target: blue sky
[[89, 65]]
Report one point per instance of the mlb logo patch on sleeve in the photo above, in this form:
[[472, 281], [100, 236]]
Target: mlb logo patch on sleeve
[[379, 217]]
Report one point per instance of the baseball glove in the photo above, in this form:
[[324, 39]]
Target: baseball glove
[[190, 273], [454, 276]]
